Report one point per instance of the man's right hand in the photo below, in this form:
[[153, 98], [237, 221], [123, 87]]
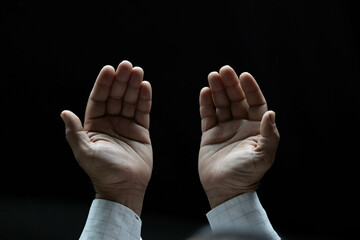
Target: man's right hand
[[114, 146]]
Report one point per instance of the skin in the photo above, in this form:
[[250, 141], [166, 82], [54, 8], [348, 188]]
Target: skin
[[239, 135], [113, 145]]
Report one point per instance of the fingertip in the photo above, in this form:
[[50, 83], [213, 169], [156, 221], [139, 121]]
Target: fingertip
[[269, 116], [145, 90], [205, 96], [138, 69], [214, 80], [106, 75], [272, 116], [63, 115], [125, 65], [71, 120], [248, 82], [224, 69], [126, 62], [245, 77], [213, 74], [66, 114], [245, 74], [204, 90], [228, 76], [268, 127], [108, 69], [146, 83]]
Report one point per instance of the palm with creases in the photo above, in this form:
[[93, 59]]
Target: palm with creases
[[239, 137], [114, 146]]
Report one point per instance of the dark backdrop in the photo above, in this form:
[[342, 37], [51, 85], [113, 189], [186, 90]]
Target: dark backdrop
[[304, 55]]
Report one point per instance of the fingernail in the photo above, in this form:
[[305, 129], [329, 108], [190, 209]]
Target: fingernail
[[63, 117], [272, 117]]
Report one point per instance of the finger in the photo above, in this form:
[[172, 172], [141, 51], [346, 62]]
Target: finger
[[270, 136], [96, 106], [220, 98], [76, 137], [143, 107], [254, 97], [207, 110], [239, 105], [132, 93], [118, 87]]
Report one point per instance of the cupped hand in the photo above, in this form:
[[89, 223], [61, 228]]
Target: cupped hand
[[113, 146], [239, 135]]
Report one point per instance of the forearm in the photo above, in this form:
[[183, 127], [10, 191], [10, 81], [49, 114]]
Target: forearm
[[244, 214]]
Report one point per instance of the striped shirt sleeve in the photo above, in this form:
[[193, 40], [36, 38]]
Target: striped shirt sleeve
[[242, 213], [109, 221]]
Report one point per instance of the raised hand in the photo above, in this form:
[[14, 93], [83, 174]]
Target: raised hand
[[114, 146], [239, 135]]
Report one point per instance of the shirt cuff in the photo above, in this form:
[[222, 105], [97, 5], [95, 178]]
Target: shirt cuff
[[243, 213], [110, 220]]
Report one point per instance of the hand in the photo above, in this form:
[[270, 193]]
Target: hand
[[114, 146], [239, 139]]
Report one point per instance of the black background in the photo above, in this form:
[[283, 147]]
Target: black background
[[304, 55]]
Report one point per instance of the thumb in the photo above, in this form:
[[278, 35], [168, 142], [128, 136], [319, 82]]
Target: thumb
[[72, 122], [269, 134], [75, 134]]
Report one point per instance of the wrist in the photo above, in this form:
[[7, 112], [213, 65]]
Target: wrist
[[131, 198], [216, 197]]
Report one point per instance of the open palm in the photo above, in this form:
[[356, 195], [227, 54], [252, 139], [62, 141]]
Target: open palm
[[114, 146], [239, 138]]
